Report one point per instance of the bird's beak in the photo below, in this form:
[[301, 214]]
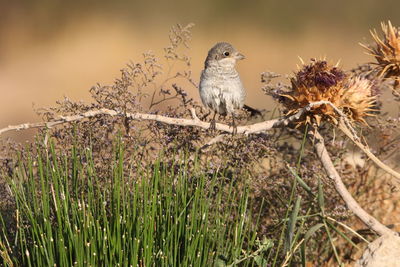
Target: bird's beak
[[239, 56]]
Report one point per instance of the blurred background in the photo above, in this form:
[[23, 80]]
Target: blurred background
[[52, 48]]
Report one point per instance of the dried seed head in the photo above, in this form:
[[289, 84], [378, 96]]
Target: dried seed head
[[358, 99], [320, 81], [386, 51]]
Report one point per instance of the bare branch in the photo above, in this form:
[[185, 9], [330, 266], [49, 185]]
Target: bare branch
[[351, 203], [60, 120], [195, 122], [343, 127]]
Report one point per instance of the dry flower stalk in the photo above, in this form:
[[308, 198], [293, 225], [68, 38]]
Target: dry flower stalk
[[351, 203]]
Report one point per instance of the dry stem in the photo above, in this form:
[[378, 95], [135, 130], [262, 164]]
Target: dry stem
[[344, 128], [351, 203], [195, 122]]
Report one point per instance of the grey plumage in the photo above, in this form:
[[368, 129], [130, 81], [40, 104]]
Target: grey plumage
[[221, 89]]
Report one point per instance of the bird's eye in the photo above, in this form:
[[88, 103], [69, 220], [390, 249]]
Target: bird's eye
[[226, 54]]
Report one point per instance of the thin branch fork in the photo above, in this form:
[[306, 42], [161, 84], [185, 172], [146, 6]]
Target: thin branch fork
[[345, 129], [351, 203], [195, 121]]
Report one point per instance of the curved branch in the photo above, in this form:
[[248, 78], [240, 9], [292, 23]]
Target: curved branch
[[60, 120], [368, 152], [195, 122], [351, 203]]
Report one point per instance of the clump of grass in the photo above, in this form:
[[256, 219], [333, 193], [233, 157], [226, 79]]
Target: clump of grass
[[159, 216], [167, 214]]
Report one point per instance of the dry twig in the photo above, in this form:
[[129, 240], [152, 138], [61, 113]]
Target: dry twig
[[351, 203], [345, 129], [195, 122]]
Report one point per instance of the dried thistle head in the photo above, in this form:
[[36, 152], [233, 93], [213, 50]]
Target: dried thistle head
[[386, 51], [320, 81], [358, 98]]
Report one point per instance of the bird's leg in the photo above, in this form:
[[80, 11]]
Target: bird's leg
[[213, 123], [234, 125]]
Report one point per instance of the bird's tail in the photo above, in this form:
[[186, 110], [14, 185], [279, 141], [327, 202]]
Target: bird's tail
[[253, 112]]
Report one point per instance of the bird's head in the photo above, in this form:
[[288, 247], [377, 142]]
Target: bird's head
[[223, 54]]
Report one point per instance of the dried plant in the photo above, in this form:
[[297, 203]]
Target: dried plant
[[320, 81], [386, 52], [358, 99]]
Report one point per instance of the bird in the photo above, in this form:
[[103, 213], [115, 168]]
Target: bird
[[221, 89]]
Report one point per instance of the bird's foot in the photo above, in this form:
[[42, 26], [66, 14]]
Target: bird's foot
[[213, 125], [235, 130], [234, 126]]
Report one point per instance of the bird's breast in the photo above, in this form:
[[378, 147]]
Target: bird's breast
[[221, 91], [226, 81], [221, 76]]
